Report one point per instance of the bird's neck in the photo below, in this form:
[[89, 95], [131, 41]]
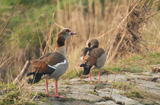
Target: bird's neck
[[61, 46], [94, 47], [61, 50], [60, 42]]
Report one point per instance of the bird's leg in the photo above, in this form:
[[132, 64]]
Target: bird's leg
[[99, 73], [47, 88], [56, 86], [90, 78]]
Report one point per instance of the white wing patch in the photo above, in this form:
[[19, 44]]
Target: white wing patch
[[52, 66], [55, 66], [43, 76], [81, 59]]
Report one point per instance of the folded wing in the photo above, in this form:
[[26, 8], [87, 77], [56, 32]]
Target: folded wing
[[46, 64]]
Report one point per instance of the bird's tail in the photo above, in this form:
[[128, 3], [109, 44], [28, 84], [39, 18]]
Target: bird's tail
[[36, 77], [86, 69]]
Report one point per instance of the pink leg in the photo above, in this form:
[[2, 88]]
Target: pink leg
[[90, 78], [99, 73], [47, 88], [56, 95]]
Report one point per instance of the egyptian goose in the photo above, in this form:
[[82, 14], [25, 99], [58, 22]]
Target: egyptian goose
[[52, 65], [92, 57]]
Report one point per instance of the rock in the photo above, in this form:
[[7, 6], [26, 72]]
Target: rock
[[75, 81], [106, 98], [110, 78], [109, 102], [119, 103], [65, 103], [43, 103], [85, 96], [125, 100], [150, 86], [79, 91], [152, 77], [147, 73], [107, 91], [78, 103]]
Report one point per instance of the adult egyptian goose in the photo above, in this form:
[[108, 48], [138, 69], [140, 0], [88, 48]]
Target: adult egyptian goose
[[92, 57], [52, 65]]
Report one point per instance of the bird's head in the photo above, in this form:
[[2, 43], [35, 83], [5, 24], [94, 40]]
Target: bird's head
[[65, 33], [92, 43]]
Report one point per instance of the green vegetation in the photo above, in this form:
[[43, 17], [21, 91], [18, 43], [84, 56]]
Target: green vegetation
[[132, 90], [72, 74], [66, 83], [135, 94], [72, 99], [31, 33], [85, 100], [95, 93], [67, 99], [32, 25], [123, 85], [135, 64], [158, 85], [13, 94]]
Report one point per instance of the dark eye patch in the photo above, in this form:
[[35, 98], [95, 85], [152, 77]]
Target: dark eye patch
[[67, 30], [89, 44]]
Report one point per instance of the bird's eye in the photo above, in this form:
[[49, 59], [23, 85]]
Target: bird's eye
[[67, 31], [89, 44]]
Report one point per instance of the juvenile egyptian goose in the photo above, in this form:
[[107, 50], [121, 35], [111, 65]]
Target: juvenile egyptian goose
[[92, 57], [52, 65]]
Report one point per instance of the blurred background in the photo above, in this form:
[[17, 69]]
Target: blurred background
[[128, 30]]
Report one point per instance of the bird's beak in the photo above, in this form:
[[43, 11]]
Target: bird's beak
[[73, 33]]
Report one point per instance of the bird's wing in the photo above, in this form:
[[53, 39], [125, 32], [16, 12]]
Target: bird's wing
[[84, 51], [46, 62], [45, 55], [91, 56], [97, 52]]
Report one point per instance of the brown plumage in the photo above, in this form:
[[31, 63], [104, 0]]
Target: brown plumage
[[52, 65], [92, 57], [42, 63]]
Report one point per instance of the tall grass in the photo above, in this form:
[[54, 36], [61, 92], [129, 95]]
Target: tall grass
[[31, 33]]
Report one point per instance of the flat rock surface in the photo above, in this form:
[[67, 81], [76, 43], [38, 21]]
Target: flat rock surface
[[78, 91], [85, 96]]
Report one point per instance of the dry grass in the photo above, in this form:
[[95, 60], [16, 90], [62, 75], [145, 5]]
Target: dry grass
[[111, 22], [92, 20], [134, 91]]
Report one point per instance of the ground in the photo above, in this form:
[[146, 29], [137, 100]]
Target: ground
[[128, 89]]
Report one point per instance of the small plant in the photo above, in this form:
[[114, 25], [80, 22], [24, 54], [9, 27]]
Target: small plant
[[123, 85], [66, 83], [115, 69], [95, 93], [135, 94], [11, 98], [86, 100], [158, 85], [100, 86], [72, 74], [67, 99], [43, 95], [94, 72]]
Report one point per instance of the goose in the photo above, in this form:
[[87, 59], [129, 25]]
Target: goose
[[92, 57], [52, 65]]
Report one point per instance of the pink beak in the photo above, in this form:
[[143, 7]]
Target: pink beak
[[73, 33]]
